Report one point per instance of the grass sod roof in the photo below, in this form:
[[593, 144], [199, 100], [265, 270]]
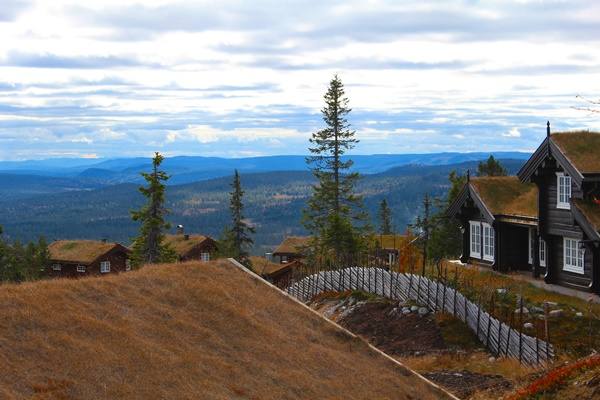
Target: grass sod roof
[[264, 267], [184, 331], [181, 245], [292, 245], [392, 241], [591, 211], [81, 251], [581, 148], [507, 195]]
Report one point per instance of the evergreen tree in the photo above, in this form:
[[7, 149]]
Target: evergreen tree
[[491, 167], [445, 238], [148, 247], [236, 240], [334, 210], [385, 218]]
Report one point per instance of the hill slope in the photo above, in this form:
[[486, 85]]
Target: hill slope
[[185, 331]]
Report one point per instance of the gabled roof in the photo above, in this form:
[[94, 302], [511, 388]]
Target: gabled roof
[[576, 152], [582, 149], [292, 245], [80, 251], [587, 214], [499, 196], [264, 267], [184, 243]]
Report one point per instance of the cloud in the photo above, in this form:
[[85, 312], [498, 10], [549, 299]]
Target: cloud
[[11, 8], [46, 60], [513, 133]]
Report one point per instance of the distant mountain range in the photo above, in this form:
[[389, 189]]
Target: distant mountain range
[[82, 207], [19, 179]]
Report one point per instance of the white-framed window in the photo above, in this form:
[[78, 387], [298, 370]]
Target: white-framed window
[[104, 267], [563, 190], [56, 267], [284, 259], [81, 268], [573, 256], [391, 258], [531, 245], [543, 252], [128, 265], [475, 228], [205, 256], [488, 242]]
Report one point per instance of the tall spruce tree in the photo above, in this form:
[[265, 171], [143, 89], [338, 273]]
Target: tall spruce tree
[[385, 218], [491, 167], [334, 211], [237, 240], [149, 247]]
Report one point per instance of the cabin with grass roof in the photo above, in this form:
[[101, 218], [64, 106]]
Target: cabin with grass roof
[[545, 220], [566, 170], [498, 215], [76, 258], [192, 247], [291, 249]]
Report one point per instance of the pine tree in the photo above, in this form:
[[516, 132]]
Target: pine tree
[[385, 217], [491, 167], [334, 210], [148, 247], [236, 240]]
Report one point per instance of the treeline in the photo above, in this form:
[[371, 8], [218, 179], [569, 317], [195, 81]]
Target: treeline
[[22, 262]]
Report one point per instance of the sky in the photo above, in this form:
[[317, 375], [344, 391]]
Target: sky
[[120, 78]]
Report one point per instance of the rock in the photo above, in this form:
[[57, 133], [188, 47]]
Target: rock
[[492, 359], [537, 310], [528, 325], [405, 310], [393, 312], [501, 291], [525, 310], [579, 314], [556, 313], [551, 303], [414, 309], [423, 311], [351, 301]]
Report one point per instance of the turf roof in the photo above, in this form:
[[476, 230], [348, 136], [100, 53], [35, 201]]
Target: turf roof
[[79, 251], [507, 195], [184, 331], [181, 245], [292, 245], [591, 211], [581, 148], [264, 267]]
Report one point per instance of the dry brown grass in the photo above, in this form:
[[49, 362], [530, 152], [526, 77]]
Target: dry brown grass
[[181, 245], [292, 245], [183, 331], [506, 195], [581, 148], [84, 251], [591, 210]]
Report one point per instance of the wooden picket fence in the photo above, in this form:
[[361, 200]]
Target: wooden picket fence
[[499, 338]]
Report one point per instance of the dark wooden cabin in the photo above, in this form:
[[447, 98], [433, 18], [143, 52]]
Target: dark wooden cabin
[[291, 249], [74, 258], [192, 247], [566, 169], [278, 274], [546, 220], [498, 216]]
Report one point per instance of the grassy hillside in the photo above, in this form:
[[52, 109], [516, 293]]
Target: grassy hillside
[[273, 200], [185, 331]]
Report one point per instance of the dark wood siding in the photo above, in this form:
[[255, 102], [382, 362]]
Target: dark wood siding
[[570, 278], [208, 246], [117, 258], [514, 247]]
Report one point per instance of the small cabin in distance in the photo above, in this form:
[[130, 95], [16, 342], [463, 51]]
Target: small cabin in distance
[[75, 258], [291, 249], [191, 247]]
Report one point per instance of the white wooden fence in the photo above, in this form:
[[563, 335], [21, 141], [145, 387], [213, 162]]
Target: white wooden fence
[[499, 338]]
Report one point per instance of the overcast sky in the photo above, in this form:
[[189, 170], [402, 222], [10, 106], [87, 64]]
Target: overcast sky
[[240, 78]]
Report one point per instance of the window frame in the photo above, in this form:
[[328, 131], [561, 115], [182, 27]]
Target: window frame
[[104, 267], [475, 239], [488, 238], [543, 250], [127, 264], [56, 267], [531, 246], [81, 268], [568, 256], [205, 256], [563, 199]]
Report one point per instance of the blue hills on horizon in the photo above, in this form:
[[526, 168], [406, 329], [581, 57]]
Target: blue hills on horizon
[[187, 169]]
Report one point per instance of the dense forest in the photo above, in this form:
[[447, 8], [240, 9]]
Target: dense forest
[[273, 203]]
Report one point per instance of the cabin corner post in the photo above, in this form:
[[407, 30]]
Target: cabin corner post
[[536, 254], [550, 243], [497, 266], [596, 268]]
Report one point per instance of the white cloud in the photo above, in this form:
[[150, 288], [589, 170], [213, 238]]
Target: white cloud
[[513, 133]]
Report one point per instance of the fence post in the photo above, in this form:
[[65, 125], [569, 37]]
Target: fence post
[[521, 328], [546, 328], [478, 315]]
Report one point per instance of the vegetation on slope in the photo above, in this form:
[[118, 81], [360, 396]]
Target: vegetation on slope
[[184, 331]]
